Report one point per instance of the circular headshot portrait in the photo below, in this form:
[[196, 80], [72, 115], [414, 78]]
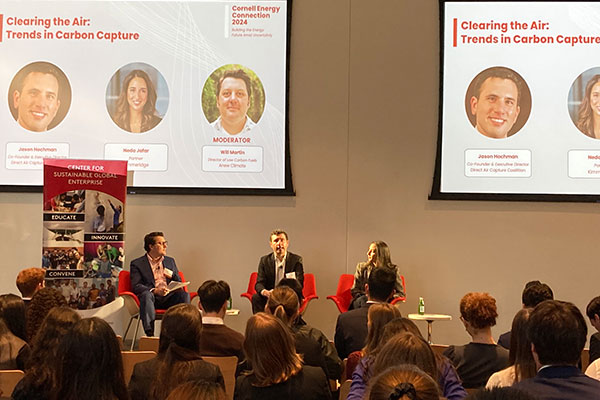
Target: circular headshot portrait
[[137, 97], [39, 96], [498, 102], [584, 102], [233, 99]]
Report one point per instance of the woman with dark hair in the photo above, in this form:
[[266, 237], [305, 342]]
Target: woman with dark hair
[[448, 380], [41, 303], [40, 372], [377, 317], [178, 358], [12, 311], [588, 120], [522, 366], [378, 255], [89, 363], [198, 390], [136, 105], [311, 343], [478, 360], [277, 371], [403, 382]]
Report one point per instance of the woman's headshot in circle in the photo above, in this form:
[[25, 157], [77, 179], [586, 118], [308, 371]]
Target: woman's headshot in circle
[[588, 120]]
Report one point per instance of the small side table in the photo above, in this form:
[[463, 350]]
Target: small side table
[[429, 318]]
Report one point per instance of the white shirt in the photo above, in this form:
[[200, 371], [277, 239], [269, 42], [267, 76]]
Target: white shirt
[[247, 126]]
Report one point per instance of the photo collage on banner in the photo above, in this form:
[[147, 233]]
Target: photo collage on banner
[[83, 234]]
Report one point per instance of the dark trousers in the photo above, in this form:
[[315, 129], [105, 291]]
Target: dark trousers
[[258, 303], [149, 303]]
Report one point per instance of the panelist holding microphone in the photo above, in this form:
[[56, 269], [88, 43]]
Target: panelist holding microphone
[[274, 267], [150, 275]]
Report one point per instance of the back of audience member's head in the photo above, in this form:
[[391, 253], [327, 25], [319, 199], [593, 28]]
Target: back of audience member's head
[[41, 303], [479, 310], [44, 346], [213, 295], [283, 303], [535, 292], [179, 346], [593, 308], [280, 362], [378, 316], [520, 347], [381, 284], [198, 390], [500, 393], [399, 325], [90, 363], [558, 332], [29, 280], [406, 348], [181, 327], [12, 311], [294, 285], [403, 382]]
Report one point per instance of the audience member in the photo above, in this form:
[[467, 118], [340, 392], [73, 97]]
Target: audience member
[[448, 380], [558, 332], [198, 390], [403, 382], [478, 360], [500, 393], [520, 358], [29, 281], [377, 317], [178, 358], [40, 371], [404, 348], [90, 364], [217, 339], [533, 294], [378, 255], [296, 287], [41, 303], [311, 343], [12, 311], [351, 327], [277, 371], [593, 313]]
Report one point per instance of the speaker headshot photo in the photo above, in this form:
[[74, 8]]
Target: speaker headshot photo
[[233, 99], [498, 102], [39, 96]]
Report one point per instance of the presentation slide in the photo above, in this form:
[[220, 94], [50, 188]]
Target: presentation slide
[[520, 99], [191, 93]]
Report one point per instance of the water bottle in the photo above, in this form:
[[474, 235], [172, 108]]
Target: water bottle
[[421, 306], [229, 304]]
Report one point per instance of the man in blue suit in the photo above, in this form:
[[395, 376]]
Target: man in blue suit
[[150, 275], [558, 332]]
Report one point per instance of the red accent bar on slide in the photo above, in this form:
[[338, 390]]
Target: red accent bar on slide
[[455, 25], [1, 16]]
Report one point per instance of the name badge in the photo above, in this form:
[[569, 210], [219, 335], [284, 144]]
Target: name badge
[[290, 275], [168, 273]]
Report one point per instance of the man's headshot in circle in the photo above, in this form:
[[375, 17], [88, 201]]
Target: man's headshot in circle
[[496, 102], [36, 96], [233, 94]]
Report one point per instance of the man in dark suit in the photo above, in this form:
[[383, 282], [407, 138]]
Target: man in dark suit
[[217, 339], [351, 327], [558, 332], [150, 275], [274, 267]]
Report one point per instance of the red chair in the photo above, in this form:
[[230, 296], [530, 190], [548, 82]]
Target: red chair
[[343, 297], [309, 291], [400, 298], [251, 284], [132, 303]]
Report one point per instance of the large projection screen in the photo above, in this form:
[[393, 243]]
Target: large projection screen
[[519, 101], [193, 94]]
